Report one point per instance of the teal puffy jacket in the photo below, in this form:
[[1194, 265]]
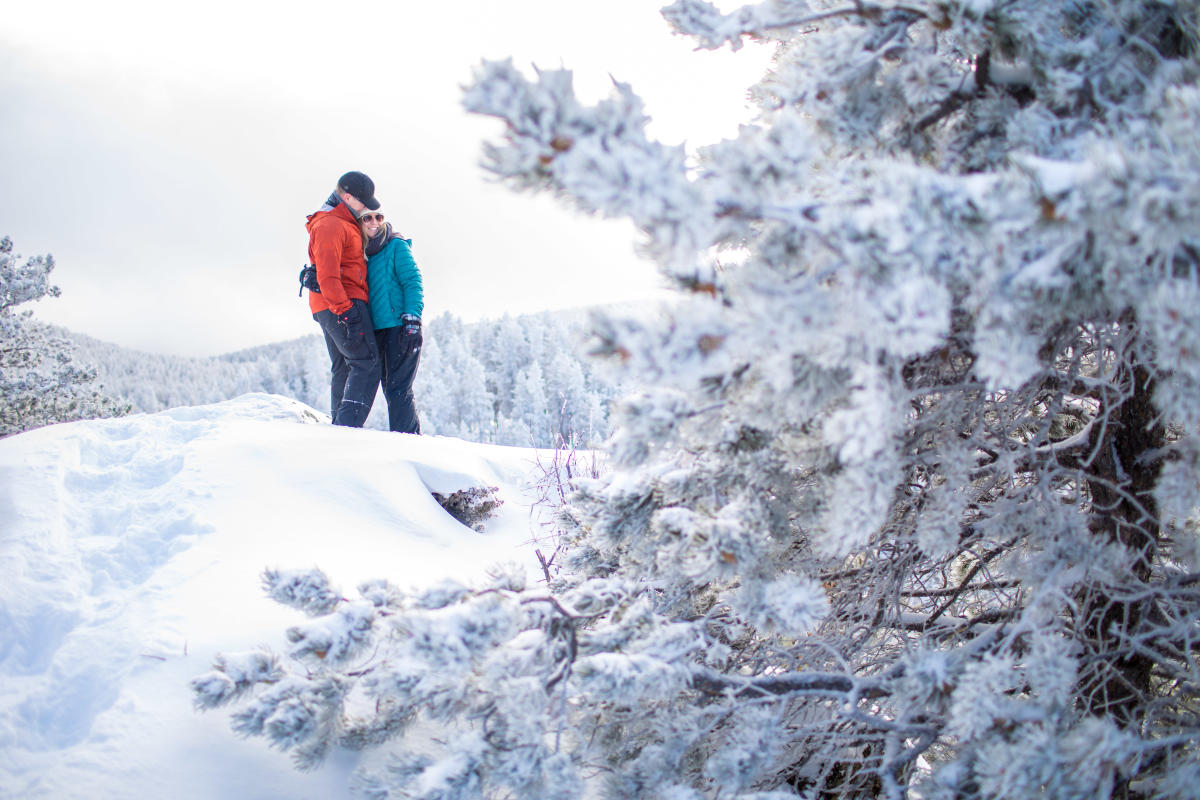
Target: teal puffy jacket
[[394, 284]]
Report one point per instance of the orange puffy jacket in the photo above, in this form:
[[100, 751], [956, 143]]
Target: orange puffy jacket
[[335, 249]]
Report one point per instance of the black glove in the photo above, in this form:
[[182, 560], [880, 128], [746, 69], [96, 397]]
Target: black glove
[[308, 280], [411, 324], [349, 316]]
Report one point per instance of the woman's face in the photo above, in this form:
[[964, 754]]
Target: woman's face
[[372, 223]]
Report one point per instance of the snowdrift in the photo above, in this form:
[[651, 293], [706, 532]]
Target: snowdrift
[[130, 554]]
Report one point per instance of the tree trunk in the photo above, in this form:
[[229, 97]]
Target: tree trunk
[[1121, 481]]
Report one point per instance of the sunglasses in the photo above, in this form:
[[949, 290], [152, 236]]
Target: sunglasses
[[372, 217]]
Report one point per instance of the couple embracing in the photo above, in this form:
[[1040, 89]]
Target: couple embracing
[[368, 305]]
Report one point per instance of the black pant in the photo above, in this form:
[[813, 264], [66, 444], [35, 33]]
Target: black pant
[[400, 354], [354, 358]]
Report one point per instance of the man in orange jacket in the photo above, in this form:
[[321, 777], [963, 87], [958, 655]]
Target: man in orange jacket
[[335, 248]]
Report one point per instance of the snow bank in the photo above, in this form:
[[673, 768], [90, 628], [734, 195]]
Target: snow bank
[[131, 551]]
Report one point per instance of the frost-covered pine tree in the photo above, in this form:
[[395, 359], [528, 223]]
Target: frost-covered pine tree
[[532, 407], [39, 382], [910, 503], [451, 385]]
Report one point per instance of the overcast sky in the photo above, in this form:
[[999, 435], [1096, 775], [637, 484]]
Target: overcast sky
[[167, 154]]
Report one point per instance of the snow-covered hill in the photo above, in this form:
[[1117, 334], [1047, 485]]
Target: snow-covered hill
[[131, 551]]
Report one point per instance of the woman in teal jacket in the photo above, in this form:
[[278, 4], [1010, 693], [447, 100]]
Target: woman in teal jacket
[[396, 300]]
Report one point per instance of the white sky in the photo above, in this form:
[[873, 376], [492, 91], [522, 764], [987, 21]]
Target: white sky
[[167, 154]]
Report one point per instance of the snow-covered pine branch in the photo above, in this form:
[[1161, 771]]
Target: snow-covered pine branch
[[40, 384]]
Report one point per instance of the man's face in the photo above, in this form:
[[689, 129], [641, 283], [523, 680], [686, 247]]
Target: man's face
[[353, 203]]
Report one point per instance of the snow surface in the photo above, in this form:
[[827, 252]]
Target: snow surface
[[130, 554]]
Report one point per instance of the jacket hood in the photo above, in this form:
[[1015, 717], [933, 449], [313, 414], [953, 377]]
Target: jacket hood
[[339, 211]]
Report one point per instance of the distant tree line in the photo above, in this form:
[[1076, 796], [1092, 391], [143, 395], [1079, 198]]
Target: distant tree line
[[515, 381]]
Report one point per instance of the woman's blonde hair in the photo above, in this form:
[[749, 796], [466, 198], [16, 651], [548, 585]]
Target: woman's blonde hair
[[362, 229]]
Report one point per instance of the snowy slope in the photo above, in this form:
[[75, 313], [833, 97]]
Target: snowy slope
[[130, 553]]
